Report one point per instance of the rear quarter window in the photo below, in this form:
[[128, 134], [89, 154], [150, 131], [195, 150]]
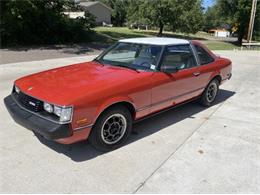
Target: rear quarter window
[[204, 56]]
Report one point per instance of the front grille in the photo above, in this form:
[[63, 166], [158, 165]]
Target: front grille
[[29, 102]]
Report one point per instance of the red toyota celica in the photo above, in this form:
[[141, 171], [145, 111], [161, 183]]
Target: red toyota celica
[[100, 100]]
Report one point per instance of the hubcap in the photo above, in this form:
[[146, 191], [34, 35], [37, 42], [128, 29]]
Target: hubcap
[[113, 129], [212, 92]]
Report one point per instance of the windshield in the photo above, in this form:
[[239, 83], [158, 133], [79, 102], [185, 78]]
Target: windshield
[[131, 55]]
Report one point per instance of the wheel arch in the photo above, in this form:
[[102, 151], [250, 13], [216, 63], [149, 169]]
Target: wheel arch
[[218, 77], [129, 105]]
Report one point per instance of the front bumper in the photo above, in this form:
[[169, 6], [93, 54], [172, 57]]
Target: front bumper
[[48, 129]]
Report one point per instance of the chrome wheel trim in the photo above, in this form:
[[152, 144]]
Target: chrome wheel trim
[[113, 129], [211, 92]]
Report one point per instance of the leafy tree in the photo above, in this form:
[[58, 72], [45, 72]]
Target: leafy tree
[[185, 16], [256, 32], [211, 18], [158, 13], [214, 18], [40, 22], [135, 13], [190, 16], [235, 14]]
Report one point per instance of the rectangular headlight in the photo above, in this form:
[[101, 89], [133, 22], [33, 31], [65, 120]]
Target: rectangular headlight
[[17, 90], [48, 107], [57, 110], [65, 114]]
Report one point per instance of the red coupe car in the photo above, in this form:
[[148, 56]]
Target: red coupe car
[[100, 100]]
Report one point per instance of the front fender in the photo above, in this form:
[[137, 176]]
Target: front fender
[[87, 112], [110, 102]]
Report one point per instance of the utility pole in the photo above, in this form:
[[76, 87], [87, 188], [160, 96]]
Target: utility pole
[[252, 20]]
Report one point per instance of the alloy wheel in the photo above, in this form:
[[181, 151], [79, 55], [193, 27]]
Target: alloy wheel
[[113, 129]]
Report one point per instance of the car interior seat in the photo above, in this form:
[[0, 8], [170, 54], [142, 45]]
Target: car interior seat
[[173, 60], [145, 58]]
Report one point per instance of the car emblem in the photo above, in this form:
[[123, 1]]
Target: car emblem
[[32, 103], [30, 88]]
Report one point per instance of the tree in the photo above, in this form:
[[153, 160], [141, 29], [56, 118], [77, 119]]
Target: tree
[[211, 19], [185, 16], [256, 32], [158, 13], [40, 22], [190, 16], [135, 13], [235, 14], [155, 13]]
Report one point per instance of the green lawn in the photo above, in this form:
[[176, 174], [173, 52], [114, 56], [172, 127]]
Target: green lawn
[[108, 35], [112, 34], [220, 45]]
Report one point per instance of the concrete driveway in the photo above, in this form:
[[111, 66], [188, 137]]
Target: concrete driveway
[[190, 149]]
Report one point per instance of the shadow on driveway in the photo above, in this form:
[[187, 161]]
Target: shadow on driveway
[[82, 151]]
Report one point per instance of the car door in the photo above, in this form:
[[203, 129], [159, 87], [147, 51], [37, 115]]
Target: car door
[[207, 66], [173, 88]]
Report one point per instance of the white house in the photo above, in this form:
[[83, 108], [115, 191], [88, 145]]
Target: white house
[[219, 32], [101, 11], [75, 15]]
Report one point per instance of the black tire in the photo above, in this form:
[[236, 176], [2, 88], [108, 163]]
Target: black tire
[[101, 138], [210, 93]]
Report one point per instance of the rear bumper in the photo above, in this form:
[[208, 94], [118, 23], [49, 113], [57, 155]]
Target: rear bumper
[[227, 78], [48, 129]]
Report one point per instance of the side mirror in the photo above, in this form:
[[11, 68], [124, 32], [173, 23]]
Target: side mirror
[[169, 69]]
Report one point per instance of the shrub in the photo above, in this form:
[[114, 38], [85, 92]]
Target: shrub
[[41, 22]]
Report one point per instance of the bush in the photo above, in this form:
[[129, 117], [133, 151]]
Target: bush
[[29, 22]]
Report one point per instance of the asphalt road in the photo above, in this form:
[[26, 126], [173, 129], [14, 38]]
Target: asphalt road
[[27, 54], [190, 149]]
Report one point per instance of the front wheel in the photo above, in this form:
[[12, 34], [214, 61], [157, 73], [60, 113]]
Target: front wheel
[[210, 93], [111, 129]]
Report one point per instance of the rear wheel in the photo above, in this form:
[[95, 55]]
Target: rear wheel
[[210, 93], [111, 129]]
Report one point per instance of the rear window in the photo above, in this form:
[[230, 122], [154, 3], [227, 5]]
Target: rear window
[[204, 56]]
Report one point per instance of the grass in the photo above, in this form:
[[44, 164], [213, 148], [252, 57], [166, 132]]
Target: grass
[[109, 35], [221, 45], [112, 34]]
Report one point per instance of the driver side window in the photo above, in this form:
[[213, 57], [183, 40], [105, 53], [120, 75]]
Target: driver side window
[[179, 57], [148, 55]]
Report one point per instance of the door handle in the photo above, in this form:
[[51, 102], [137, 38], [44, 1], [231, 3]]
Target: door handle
[[196, 74]]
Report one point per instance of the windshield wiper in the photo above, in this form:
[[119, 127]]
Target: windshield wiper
[[98, 61], [129, 67]]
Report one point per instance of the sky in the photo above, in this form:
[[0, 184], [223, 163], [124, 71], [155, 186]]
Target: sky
[[208, 3]]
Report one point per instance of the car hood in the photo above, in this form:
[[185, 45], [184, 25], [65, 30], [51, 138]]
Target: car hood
[[63, 85]]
